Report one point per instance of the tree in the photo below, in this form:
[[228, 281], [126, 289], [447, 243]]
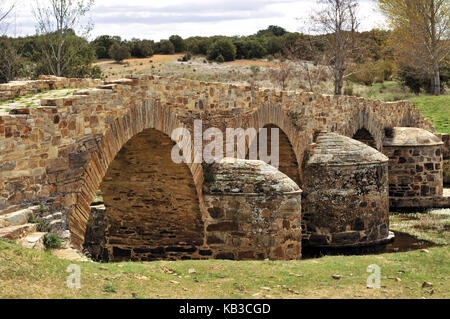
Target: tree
[[103, 43], [421, 31], [178, 43], [166, 47], [80, 53], [10, 60], [142, 48], [282, 73], [222, 47], [57, 21], [313, 63], [119, 52], [337, 19], [5, 9]]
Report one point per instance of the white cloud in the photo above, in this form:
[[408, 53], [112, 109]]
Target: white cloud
[[157, 19]]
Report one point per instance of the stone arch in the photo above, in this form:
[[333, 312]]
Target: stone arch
[[292, 139], [367, 126], [364, 136], [137, 119]]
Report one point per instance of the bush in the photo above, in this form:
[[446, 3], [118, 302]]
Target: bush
[[142, 49], [367, 73], [103, 44], [224, 48], [220, 59], [167, 47], [178, 43], [52, 241], [416, 81], [119, 52], [187, 57]]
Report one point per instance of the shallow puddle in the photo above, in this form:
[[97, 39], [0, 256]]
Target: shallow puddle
[[402, 243]]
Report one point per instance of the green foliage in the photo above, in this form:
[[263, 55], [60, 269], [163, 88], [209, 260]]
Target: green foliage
[[10, 60], [222, 49], [371, 72], [187, 57], [436, 109], [249, 48], [272, 30], [52, 241], [178, 43], [165, 47], [141, 48], [255, 69], [103, 44], [119, 52], [109, 288], [418, 81]]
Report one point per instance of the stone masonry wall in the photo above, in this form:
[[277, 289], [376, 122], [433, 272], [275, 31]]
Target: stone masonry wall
[[346, 205], [152, 205], [16, 89], [415, 172], [60, 152]]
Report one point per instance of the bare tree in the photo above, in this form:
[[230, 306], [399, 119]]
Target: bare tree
[[313, 64], [57, 21], [10, 60], [6, 7], [282, 73], [337, 21]]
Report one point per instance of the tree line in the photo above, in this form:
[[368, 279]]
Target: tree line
[[414, 50]]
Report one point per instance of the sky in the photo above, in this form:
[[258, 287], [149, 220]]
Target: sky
[[159, 19]]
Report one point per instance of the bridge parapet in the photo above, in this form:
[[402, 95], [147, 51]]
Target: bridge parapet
[[45, 151], [16, 89]]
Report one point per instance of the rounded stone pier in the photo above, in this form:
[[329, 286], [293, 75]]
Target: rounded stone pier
[[346, 199], [415, 167], [254, 211]]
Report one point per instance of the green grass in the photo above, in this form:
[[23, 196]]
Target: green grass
[[387, 91], [436, 109], [433, 225], [31, 274]]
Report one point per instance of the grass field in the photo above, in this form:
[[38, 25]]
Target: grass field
[[436, 109], [31, 274]]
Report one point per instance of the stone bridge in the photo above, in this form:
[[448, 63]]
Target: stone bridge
[[116, 136]]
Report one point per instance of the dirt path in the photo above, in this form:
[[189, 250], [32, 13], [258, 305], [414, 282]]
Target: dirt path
[[156, 59]]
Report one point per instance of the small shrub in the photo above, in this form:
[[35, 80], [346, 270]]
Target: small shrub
[[109, 288], [187, 57], [255, 69], [220, 59], [119, 52], [348, 89], [42, 225], [52, 241], [32, 220]]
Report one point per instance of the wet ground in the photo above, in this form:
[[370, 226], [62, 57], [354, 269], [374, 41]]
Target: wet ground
[[402, 243]]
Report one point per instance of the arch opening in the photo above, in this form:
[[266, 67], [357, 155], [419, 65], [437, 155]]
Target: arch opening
[[365, 137], [288, 163], [151, 207]]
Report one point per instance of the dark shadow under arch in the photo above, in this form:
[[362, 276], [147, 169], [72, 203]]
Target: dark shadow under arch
[[152, 207], [365, 137], [288, 163]]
